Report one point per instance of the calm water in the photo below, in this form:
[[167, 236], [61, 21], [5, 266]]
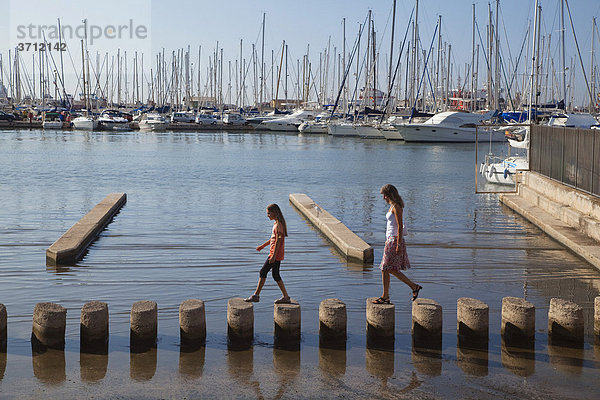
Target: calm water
[[194, 215]]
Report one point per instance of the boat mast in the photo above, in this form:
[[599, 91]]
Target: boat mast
[[533, 88], [562, 51], [262, 64], [391, 50], [593, 75], [473, 90], [497, 62]]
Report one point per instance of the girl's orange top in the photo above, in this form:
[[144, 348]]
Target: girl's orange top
[[280, 251]]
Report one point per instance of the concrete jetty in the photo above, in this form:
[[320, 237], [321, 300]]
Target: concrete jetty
[[568, 215], [352, 246], [72, 244]]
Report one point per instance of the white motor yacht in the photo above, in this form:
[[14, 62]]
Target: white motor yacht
[[85, 122], [502, 170], [313, 127], [113, 120], [448, 126], [289, 122], [153, 122]]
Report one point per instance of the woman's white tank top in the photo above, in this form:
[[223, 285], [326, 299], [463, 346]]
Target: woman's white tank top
[[392, 225]]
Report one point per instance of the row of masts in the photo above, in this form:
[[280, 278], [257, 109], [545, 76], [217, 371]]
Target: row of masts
[[428, 80]]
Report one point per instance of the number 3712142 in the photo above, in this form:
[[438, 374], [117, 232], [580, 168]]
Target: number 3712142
[[27, 46]]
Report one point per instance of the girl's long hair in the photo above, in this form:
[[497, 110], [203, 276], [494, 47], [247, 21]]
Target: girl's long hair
[[274, 208], [392, 193]]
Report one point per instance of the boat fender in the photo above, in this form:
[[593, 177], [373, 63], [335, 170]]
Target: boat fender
[[506, 173], [492, 171]]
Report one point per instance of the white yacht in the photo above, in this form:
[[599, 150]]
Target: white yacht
[[448, 126], [502, 170], [369, 131], [289, 122], [85, 122], [153, 122], [342, 129], [313, 127], [51, 120], [113, 120]]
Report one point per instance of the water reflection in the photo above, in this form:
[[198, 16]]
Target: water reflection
[[93, 366], [520, 360], [240, 365], [48, 364], [191, 361], [287, 367], [142, 365], [472, 358], [380, 363], [332, 361], [568, 359], [427, 361]]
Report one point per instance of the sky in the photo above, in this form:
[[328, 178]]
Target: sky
[[304, 25]]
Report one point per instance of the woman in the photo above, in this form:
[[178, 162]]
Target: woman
[[395, 258]]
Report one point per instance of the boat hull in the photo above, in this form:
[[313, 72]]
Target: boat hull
[[436, 133]]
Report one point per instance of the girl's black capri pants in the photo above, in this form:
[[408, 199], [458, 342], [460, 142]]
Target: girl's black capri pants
[[275, 270]]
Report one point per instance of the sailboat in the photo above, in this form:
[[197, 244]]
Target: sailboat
[[87, 121]]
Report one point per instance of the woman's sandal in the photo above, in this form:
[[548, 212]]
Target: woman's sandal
[[416, 292], [381, 300]]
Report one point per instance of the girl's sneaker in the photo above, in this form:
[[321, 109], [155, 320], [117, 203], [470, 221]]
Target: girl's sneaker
[[253, 299], [283, 300]]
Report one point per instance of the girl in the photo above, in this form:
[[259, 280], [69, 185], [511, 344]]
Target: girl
[[277, 243], [394, 257]]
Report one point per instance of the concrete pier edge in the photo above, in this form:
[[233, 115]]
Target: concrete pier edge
[[73, 243], [349, 243], [551, 216]]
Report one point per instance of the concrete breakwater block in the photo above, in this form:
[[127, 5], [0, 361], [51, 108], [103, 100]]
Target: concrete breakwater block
[[144, 321], [381, 319], [192, 321], [518, 319], [472, 319], [332, 320], [348, 242], [72, 244], [94, 322], [286, 319], [240, 320], [3, 319], [49, 324], [565, 321]]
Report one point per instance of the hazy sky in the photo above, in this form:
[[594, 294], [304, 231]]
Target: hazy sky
[[179, 23]]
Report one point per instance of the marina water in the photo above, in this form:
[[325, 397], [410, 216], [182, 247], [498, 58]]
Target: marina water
[[195, 213]]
